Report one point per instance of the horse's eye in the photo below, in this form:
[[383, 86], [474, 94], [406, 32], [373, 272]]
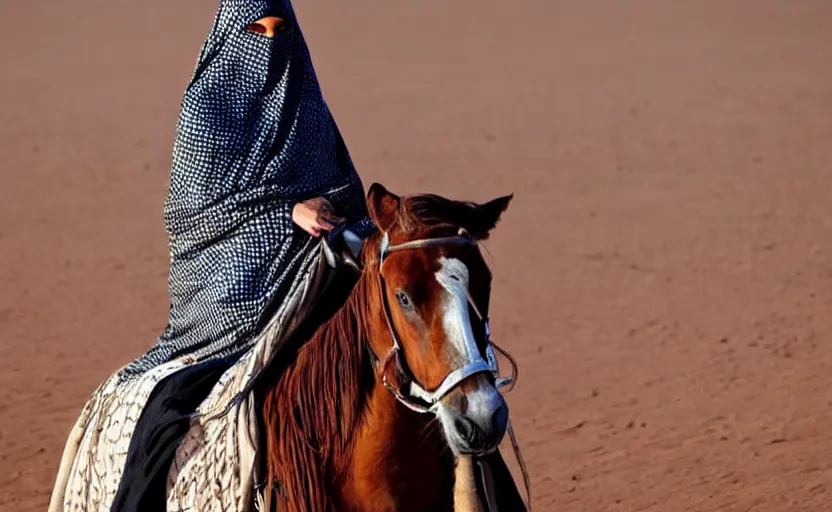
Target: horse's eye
[[404, 301]]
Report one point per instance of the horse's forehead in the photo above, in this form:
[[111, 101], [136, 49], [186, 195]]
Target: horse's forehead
[[458, 265], [443, 266], [452, 273]]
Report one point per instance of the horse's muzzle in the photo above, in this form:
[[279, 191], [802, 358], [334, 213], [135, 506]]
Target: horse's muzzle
[[481, 428]]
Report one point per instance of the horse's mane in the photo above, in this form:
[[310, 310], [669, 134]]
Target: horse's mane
[[311, 413]]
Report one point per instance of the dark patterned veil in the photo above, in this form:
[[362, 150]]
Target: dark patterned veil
[[254, 137]]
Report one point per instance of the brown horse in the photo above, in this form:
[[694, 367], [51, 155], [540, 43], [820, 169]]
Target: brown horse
[[345, 420]]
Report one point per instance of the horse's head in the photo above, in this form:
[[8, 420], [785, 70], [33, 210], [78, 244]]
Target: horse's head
[[435, 289]]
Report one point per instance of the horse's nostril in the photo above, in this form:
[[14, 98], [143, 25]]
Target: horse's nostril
[[499, 421], [465, 428], [483, 432]]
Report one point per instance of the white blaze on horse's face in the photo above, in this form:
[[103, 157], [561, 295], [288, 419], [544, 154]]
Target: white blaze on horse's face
[[462, 345], [475, 414]]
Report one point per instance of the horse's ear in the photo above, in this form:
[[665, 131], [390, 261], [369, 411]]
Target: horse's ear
[[383, 206], [487, 217]]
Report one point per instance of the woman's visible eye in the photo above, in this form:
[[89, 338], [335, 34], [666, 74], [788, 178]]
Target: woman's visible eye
[[404, 301], [269, 26]]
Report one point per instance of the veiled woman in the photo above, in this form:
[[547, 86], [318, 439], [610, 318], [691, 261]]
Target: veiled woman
[[260, 171]]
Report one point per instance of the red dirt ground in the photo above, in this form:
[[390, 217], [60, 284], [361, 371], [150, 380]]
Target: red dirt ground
[[664, 276]]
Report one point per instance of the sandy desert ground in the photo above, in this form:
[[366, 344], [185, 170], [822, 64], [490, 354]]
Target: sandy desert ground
[[664, 276]]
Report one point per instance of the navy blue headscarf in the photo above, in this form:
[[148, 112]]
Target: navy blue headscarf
[[254, 138]]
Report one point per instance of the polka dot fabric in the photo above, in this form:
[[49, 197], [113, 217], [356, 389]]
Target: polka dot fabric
[[254, 137]]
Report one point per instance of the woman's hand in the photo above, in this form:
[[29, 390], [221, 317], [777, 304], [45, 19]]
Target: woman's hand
[[315, 215]]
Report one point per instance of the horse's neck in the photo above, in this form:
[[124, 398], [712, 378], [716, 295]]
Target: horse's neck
[[399, 461], [334, 430]]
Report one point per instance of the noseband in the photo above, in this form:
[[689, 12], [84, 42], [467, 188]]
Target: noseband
[[417, 398]]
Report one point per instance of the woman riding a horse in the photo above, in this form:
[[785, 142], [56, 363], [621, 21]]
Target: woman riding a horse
[[260, 172]]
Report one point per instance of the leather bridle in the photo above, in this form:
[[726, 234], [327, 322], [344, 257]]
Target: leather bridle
[[416, 397], [419, 399]]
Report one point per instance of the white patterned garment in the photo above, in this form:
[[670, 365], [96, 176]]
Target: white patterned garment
[[214, 467], [96, 451]]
